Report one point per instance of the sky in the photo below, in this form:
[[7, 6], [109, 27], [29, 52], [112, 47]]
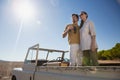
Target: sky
[[28, 22]]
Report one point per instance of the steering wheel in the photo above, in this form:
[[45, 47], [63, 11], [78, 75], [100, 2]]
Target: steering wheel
[[59, 59]]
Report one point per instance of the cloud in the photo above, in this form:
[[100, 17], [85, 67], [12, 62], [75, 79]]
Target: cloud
[[38, 22], [118, 2], [54, 2]]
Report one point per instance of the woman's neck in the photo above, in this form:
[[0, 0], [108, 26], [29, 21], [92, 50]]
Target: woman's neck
[[84, 20]]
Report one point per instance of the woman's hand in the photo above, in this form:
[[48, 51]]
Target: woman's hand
[[93, 47]]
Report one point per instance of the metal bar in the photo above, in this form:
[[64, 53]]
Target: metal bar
[[50, 50], [63, 55], [47, 55], [37, 52], [27, 55], [36, 45]]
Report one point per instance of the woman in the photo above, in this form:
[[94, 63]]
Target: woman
[[88, 41]]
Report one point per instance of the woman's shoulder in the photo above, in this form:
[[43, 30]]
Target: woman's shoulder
[[89, 21]]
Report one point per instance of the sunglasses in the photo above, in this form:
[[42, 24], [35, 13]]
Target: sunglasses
[[81, 14]]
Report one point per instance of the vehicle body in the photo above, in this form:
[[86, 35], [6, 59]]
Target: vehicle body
[[36, 68]]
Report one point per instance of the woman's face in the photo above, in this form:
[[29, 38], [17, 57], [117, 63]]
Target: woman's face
[[83, 16]]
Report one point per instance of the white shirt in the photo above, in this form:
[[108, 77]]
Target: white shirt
[[86, 32]]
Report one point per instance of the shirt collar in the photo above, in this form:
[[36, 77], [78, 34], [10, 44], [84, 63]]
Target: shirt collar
[[75, 24], [86, 21]]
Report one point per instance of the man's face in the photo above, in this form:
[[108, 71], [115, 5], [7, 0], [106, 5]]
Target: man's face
[[74, 18]]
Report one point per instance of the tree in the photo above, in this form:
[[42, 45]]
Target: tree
[[110, 54]]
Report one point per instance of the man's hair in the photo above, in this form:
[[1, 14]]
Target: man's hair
[[76, 16]]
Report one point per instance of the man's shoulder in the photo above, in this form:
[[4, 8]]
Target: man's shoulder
[[68, 25]]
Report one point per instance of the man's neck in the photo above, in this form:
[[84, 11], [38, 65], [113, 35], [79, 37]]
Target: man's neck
[[75, 23]]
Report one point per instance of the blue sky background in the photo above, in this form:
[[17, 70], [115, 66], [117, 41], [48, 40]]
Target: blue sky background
[[49, 21]]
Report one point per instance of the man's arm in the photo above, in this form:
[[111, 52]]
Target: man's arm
[[69, 27], [65, 33]]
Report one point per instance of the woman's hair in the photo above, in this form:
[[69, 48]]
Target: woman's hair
[[83, 12], [82, 22]]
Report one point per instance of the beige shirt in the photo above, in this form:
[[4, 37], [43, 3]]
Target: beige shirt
[[74, 35], [86, 32]]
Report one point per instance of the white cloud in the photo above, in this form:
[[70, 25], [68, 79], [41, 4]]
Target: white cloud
[[38, 22], [118, 2], [54, 2]]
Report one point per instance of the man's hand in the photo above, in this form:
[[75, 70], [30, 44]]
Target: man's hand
[[69, 27]]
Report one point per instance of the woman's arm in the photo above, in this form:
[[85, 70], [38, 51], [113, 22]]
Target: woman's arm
[[93, 40], [93, 37]]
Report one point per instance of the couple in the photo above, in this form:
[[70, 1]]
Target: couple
[[82, 41]]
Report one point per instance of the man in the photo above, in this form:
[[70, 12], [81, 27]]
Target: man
[[74, 40], [88, 41]]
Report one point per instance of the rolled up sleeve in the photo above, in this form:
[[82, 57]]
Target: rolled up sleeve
[[92, 29]]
